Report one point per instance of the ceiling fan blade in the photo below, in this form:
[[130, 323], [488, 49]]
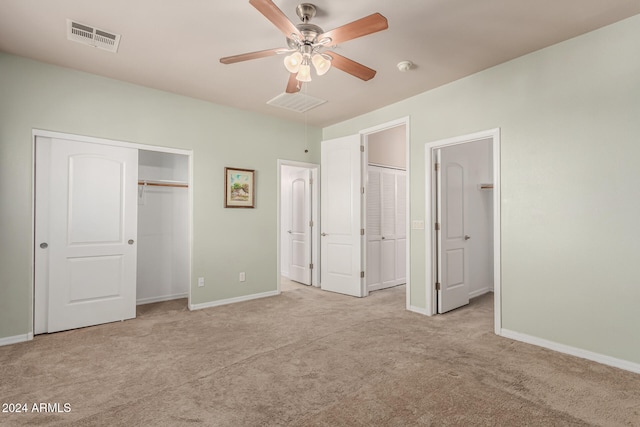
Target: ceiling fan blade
[[275, 15], [250, 55], [293, 86], [367, 25], [352, 67]]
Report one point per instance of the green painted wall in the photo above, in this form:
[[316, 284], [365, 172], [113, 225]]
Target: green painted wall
[[226, 241], [570, 201], [570, 131]]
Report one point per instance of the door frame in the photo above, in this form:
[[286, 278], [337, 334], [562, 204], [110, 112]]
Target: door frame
[[364, 135], [315, 217], [430, 214], [39, 133]]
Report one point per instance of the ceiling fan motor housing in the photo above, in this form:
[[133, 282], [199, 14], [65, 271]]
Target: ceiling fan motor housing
[[306, 11], [310, 32]]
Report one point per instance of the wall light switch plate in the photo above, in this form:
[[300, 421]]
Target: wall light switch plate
[[417, 225], [200, 282]]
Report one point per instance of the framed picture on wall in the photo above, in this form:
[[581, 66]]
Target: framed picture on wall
[[239, 188]]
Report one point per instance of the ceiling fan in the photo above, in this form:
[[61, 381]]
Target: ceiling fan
[[308, 44]]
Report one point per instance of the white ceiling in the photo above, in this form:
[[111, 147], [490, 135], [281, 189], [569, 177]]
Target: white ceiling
[[175, 45]]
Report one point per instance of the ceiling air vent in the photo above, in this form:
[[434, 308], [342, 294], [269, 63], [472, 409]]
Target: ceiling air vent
[[92, 36], [296, 102]]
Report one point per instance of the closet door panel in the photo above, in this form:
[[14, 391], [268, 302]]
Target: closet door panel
[[388, 205], [374, 229]]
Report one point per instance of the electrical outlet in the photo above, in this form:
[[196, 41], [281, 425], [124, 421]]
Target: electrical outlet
[[243, 277], [200, 282]]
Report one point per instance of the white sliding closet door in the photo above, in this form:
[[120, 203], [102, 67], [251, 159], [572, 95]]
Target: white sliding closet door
[[386, 227], [86, 230]]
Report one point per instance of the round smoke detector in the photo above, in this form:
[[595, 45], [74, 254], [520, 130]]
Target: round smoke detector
[[405, 66]]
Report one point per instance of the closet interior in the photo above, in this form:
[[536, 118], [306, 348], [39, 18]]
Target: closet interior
[[163, 227]]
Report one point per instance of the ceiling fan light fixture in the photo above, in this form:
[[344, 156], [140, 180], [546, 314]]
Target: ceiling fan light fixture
[[307, 43], [292, 62], [321, 64], [304, 73]]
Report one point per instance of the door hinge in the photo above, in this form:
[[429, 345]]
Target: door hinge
[[310, 266], [436, 166], [362, 190], [437, 227], [310, 181], [362, 148], [362, 274], [362, 231], [437, 286], [310, 223]]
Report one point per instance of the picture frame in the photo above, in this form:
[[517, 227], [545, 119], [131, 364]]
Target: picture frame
[[239, 188]]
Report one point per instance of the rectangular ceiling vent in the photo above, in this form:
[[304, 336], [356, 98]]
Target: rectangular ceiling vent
[[298, 102], [92, 36]]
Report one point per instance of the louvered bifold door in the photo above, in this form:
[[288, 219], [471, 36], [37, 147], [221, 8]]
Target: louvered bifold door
[[374, 228], [389, 223]]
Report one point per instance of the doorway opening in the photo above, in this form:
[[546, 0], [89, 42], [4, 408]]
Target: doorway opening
[[163, 227], [90, 248], [344, 239], [298, 223], [385, 210], [462, 177]]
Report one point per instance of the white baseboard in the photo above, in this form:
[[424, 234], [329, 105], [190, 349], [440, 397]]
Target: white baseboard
[[573, 351], [16, 339], [232, 300], [150, 300], [479, 292], [418, 310], [380, 286]]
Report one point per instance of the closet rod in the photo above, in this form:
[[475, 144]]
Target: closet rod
[[164, 183]]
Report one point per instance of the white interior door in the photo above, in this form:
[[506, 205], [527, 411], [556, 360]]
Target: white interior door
[[453, 255], [300, 228], [341, 201], [88, 238]]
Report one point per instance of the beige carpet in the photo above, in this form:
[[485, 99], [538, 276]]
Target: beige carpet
[[309, 358]]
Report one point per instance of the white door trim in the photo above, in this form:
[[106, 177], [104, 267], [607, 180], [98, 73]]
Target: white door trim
[[365, 133], [430, 216], [315, 217], [36, 133]]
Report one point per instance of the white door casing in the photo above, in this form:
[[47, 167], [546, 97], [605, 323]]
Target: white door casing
[[430, 150], [91, 234], [341, 201], [300, 228], [453, 235]]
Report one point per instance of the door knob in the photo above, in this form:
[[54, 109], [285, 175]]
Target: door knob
[[383, 237], [289, 231], [467, 237], [130, 241], [324, 234], [44, 245]]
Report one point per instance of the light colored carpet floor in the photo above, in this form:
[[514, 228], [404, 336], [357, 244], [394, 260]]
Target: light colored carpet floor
[[309, 358]]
